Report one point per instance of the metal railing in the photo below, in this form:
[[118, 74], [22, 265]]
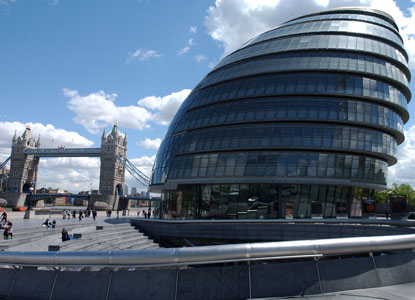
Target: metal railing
[[210, 254]]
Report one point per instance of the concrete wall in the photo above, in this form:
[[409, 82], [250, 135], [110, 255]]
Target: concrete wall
[[260, 231], [14, 199], [111, 201], [261, 279]]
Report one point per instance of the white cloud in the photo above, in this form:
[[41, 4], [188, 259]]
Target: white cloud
[[164, 108], [192, 29], [150, 144], [142, 55], [183, 50], [50, 137], [98, 110], [403, 171], [145, 165], [73, 174], [190, 43], [233, 22], [199, 58]]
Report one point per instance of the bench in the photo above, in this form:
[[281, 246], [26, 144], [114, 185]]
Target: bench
[[77, 236], [54, 248]]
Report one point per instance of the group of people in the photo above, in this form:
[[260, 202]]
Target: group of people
[[49, 223], [67, 214], [146, 214], [7, 225]]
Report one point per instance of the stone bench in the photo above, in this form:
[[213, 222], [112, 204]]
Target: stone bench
[[54, 248]]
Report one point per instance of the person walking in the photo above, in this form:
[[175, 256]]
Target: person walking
[[94, 214]]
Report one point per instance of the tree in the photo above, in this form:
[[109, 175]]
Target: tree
[[403, 189]]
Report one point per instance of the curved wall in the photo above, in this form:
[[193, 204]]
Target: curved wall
[[321, 97]]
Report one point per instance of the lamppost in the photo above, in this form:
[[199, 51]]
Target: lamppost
[[31, 189], [149, 209], [27, 212]]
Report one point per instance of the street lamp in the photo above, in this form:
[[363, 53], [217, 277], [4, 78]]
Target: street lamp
[[31, 189], [27, 213]]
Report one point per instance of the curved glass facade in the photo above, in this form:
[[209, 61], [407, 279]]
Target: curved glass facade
[[308, 113]]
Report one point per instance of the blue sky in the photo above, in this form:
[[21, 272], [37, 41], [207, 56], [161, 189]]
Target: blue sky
[[73, 67]]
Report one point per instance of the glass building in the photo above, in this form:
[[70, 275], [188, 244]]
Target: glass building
[[308, 114]]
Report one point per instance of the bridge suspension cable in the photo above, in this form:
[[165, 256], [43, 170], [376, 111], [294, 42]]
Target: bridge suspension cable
[[134, 171], [4, 162]]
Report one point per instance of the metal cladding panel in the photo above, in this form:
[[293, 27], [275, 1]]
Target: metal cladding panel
[[322, 96]]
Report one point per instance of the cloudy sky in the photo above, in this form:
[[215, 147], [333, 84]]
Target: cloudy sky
[[71, 68]]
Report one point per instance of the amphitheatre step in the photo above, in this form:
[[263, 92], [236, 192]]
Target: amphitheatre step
[[22, 236], [80, 244], [102, 236], [137, 243]]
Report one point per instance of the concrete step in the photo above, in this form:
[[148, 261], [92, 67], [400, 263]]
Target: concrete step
[[116, 237], [23, 237], [125, 244], [104, 244], [101, 235]]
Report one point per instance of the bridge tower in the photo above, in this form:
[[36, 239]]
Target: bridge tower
[[23, 168], [112, 173]]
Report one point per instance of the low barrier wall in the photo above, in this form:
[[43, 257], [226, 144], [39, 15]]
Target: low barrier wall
[[225, 282], [275, 230]]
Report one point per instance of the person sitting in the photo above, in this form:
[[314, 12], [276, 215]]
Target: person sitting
[[65, 235], [46, 223], [6, 233], [8, 228]]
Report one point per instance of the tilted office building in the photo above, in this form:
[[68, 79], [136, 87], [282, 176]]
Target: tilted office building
[[309, 112]]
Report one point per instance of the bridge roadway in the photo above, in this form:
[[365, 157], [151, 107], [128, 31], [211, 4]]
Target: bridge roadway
[[64, 152], [39, 196]]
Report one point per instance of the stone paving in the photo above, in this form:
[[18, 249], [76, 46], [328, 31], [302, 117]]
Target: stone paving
[[43, 236]]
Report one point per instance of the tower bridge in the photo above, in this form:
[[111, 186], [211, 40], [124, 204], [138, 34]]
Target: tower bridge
[[26, 153]]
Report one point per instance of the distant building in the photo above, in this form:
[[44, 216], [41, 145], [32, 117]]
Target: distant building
[[133, 191], [125, 189], [58, 200]]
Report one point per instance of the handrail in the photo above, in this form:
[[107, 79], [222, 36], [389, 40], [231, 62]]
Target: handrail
[[211, 254], [352, 221]]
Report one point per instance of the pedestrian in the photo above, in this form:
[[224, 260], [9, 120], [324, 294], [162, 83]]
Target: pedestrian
[[74, 214], [8, 228], [64, 214], [94, 214], [4, 217], [149, 213], [386, 214], [80, 215], [145, 214], [53, 223], [118, 213]]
